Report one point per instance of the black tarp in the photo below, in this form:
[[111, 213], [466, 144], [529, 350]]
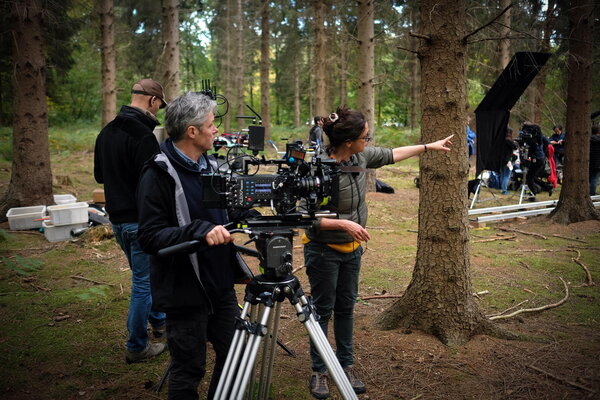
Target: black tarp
[[493, 113]]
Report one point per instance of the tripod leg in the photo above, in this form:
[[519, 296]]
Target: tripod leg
[[476, 194], [249, 358], [163, 379], [257, 310], [320, 341], [233, 357], [269, 355]]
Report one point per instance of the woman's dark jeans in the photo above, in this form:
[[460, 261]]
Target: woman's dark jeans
[[333, 280]]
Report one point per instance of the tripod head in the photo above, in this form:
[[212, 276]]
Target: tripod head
[[273, 236]]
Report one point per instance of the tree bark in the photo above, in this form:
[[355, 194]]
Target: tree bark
[[228, 58], [504, 33], [414, 76], [366, 72], [539, 81], [168, 63], [439, 298], [319, 58], [264, 68], [239, 64], [31, 176], [297, 58], [109, 63], [343, 65], [575, 204]]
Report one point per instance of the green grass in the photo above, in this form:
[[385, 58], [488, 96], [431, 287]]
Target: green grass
[[80, 136]]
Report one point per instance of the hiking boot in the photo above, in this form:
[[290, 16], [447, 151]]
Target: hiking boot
[[159, 331], [358, 385], [151, 350], [318, 385]]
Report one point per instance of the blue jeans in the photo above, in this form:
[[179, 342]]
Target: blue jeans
[[505, 174], [140, 303], [333, 278], [594, 178]]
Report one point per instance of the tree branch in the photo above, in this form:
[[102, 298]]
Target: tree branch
[[419, 35], [523, 232], [494, 38], [494, 239], [83, 278], [405, 49], [561, 380], [488, 24], [546, 307], [588, 275], [384, 296]]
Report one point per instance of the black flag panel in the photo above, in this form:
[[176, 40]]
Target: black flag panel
[[493, 112]]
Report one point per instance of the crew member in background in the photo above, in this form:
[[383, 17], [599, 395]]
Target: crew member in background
[[557, 140], [471, 137], [195, 290], [531, 134], [122, 148], [507, 156], [315, 136], [332, 247]]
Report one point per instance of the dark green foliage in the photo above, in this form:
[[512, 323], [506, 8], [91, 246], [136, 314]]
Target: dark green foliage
[[74, 55]]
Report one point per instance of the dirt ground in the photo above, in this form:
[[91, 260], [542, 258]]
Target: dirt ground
[[554, 359]]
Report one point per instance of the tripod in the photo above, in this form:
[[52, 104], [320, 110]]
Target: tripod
[[268, 291], [524, 187]]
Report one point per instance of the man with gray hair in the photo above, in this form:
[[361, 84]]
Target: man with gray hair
[[194, 290]]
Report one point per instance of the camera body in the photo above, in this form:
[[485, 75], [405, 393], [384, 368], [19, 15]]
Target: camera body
[[296, 184]]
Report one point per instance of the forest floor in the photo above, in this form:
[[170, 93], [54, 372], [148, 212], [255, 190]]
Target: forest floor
[[62, 336]]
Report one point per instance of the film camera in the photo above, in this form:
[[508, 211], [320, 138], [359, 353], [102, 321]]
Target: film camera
[[296, 186]]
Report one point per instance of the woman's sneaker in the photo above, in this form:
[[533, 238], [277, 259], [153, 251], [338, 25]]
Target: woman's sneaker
[[358, 385], [318, 385]]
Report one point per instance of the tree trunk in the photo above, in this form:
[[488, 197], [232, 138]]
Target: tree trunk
[[366, 72], [504, 33], [31, 176], [319, 56], [575, 204], [168, 63], [343, 65], [539, 81], [239, 64], [109, 65], [228, 62], [296, 70], [439, 297], [264, 68], [414, 78]]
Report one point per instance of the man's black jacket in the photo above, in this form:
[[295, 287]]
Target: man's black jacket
[[122, 148], [175, 286]]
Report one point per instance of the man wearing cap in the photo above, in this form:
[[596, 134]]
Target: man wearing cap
[[122, 148]]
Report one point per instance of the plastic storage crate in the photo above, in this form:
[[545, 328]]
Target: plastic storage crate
[[59, 233], [66, 214], [21, 218], [64, 199]]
